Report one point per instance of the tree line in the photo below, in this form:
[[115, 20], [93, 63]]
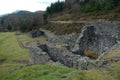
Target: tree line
[[55, 8], [97, 5], [83, 6], [23, 21]]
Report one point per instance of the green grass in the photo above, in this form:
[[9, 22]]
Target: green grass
[[10, 50], [26, 39], [49, 72], [89, 75], [39, 72], [5, 69], [116, 71]]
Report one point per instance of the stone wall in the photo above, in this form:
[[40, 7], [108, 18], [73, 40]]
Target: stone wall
[[65, 39]]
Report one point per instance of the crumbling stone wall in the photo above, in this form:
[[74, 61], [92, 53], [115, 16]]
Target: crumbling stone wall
[[65, 39]]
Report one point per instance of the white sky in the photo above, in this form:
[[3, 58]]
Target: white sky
[[8, 6]]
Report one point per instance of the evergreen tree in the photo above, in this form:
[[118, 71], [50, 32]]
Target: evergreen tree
[[9, 27], [55, 8]]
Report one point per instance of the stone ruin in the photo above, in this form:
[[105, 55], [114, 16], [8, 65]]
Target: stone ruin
[[93, 40], [36, 33]]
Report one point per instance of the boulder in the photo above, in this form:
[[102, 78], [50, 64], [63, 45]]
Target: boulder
[[38, 56], [36, 33], [97, 38]]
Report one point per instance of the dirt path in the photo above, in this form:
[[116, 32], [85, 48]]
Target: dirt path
[[69, 22], [82, 21]]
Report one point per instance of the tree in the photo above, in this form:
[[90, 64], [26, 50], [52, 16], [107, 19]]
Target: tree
[[38, 18], [2, 21], [9, 27], [108, 5], [55, 8], [69, 3], [22, 25], [75, 11], [116, 2]]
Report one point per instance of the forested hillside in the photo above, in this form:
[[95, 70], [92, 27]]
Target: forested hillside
[[75, 9], [21, 20]]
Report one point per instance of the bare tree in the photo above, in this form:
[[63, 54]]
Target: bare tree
[[75, 11], [69, 3]]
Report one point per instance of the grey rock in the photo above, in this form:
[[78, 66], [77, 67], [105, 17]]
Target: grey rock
[[36, 33], [37, 56], [98, 37]]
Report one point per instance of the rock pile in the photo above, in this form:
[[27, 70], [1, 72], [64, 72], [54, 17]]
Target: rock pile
[[44, 54]]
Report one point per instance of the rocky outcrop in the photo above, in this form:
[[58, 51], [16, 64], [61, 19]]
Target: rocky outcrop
[[98, 37]]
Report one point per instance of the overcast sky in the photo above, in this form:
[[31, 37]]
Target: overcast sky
[[8, 6]]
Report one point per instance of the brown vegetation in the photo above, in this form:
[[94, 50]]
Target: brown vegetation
[[62, 29], [91, 54]]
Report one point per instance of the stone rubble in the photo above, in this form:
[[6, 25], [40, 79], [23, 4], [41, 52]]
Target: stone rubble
[[97, 37]]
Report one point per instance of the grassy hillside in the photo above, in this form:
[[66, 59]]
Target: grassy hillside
[[115, 52], [63, 28], [90, 16], [48, 72], [72, 22], [12, 66]]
